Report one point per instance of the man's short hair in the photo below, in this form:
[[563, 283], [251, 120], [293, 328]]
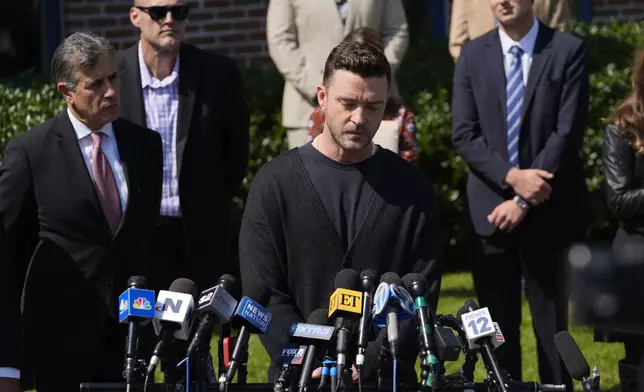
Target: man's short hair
[[360, 58], [80, 51]]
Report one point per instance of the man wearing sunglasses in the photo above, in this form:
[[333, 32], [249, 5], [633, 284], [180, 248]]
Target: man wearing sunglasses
[[195, 100]]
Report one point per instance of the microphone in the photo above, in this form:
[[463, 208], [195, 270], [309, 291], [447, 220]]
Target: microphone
[[135, 308], [392, 303], [345, 305], [253, 317], [368, 279], [317, 334], [575, 362], [292, 354], [417, 287], [224, 328], [172, 317], [479, 330], [216, 306]]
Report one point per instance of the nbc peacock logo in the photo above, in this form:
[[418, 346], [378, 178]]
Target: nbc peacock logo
[[142, 303]]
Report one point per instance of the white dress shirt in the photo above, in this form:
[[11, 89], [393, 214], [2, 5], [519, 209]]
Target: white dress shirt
[[111, 152], [526, 44]]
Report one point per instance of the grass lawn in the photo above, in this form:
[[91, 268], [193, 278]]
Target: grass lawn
[[457, 287]]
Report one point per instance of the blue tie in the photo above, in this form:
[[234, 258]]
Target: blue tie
[[514, 94]]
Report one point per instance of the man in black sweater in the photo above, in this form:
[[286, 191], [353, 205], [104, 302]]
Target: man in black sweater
[[340, 202]]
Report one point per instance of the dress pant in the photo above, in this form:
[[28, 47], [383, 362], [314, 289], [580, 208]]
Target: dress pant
[[167, 261], [500, 262], [167, 254]]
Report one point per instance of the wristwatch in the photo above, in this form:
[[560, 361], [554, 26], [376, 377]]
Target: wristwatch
[[521, 203]]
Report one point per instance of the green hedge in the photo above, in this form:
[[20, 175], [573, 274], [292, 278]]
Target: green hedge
[[425, 80]]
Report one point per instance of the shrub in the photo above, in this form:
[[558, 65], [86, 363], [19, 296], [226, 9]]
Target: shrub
[[425, 81]]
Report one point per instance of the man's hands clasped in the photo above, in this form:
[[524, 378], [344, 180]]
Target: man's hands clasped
[[530, 185]]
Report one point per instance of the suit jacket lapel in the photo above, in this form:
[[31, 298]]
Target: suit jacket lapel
[[540, 59], [70, 149], [128, 158], [132, 94], [188, 82], [494, 72]]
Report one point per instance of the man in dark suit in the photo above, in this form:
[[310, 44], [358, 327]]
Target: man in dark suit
[[519, 110], [79, 198], [195, 100]]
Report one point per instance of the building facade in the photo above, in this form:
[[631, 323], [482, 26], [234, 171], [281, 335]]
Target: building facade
[[233, 27]]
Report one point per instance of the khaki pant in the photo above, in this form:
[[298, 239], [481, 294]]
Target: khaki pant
[[296, 137]]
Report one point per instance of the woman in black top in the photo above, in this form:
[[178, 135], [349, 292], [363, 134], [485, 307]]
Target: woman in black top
[[624, 169]]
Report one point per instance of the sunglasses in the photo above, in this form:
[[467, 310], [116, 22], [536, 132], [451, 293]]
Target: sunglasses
[[158, 13]]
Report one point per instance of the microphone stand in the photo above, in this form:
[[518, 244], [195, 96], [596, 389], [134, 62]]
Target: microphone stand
[[204, 374], [385, 370], [470, 356], [242, 372]]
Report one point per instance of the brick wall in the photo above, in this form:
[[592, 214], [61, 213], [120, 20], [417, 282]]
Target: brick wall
[[233, 27], [621, 10]]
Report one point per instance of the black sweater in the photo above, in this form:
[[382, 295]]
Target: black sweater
[[288, 243]]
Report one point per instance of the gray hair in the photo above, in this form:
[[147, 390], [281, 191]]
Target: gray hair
[[80, 51]]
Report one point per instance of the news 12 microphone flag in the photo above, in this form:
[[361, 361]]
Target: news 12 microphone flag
[[136, 303]]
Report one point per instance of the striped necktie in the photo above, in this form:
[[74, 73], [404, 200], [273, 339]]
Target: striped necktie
[[514, 94]]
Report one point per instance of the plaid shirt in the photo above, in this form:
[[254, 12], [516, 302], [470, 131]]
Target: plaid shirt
[[407, 145], [161, 100]]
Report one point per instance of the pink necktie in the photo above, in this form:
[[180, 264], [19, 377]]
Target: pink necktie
[[108, 193]]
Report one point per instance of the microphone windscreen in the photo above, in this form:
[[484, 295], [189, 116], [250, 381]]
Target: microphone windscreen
[[461, 312], [229, 283], [259, 293], [470, 305], [415, 284], [368, 280], [391, 278], [571, 355], [137, 282], [185, 286], [319, 317], [346, 279]]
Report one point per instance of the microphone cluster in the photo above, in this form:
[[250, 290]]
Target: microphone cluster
[[333, 342], [181, 313]]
